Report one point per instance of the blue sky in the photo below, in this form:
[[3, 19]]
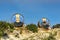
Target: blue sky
[[32, 10]]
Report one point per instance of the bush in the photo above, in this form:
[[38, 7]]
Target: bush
[[1, 33], [56, 26], [32, 27], [5, 26], [11, 26]]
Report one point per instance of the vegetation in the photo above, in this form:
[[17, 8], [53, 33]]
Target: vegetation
[[56, 26], [51, 37], [32, 27], [5, 26]]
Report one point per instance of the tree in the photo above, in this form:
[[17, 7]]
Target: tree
[[32, 27]]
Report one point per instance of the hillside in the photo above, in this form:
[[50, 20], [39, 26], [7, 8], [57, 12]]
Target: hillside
[[52, 34]]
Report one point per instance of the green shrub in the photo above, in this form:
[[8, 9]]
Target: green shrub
[[1, 33], [32, 27], [5, 26], [56, 26]]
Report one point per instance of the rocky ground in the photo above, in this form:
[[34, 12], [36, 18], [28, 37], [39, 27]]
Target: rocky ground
[[52, 34]]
